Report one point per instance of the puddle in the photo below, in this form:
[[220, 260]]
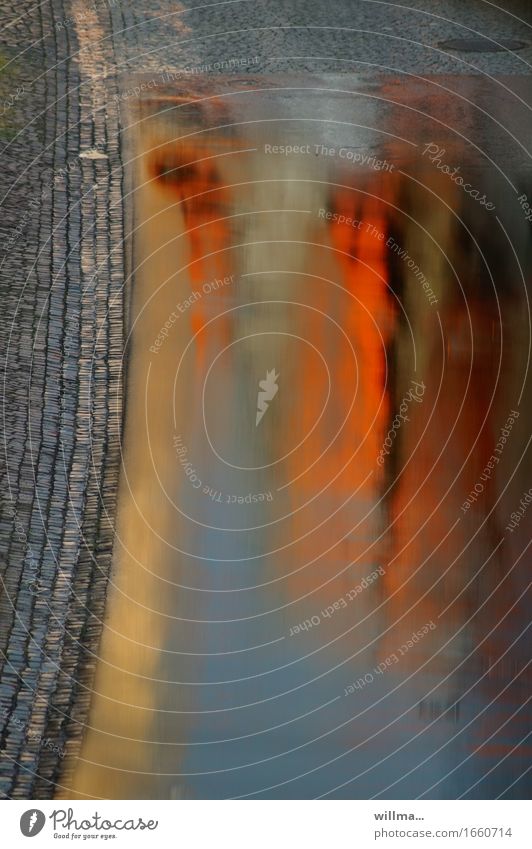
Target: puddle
[[315, 588]]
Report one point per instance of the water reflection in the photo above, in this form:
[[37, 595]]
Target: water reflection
[[329, 601]]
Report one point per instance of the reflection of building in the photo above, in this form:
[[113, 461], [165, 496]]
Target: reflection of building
[[348, 438]]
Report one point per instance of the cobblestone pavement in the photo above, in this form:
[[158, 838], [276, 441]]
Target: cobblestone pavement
[[62, 276], [63, 300]]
